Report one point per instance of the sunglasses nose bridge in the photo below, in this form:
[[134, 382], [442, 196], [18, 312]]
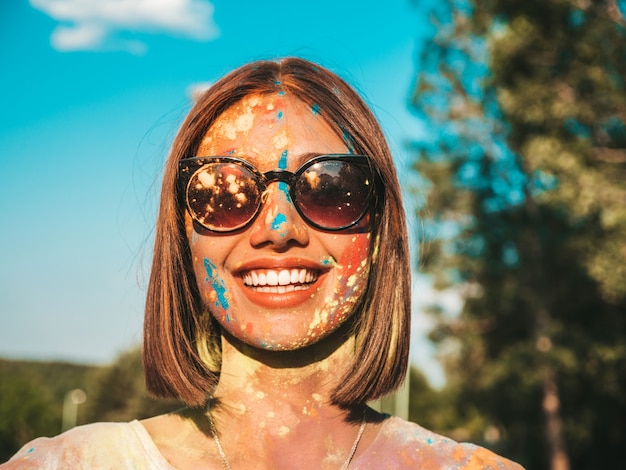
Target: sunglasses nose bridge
[[279, 221], [282, 176], [285, 180]]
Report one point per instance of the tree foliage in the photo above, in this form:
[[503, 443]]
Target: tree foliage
[[32, 396], [527, 205], [119, 392], [31, 399], [25, 413]]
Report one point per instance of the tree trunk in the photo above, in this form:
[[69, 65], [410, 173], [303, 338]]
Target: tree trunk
[[554, 425]]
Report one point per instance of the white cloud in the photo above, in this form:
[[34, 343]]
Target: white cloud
[[93, 24], [196, 90]]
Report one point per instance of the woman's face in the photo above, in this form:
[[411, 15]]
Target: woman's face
[[279, 284]]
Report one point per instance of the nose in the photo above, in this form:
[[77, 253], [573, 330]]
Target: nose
[[279, 223]]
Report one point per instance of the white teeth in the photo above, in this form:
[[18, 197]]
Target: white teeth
[[285, 280], [272, 278], [284, 277]]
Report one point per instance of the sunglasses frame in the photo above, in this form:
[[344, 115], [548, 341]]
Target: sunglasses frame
[[188, 167]]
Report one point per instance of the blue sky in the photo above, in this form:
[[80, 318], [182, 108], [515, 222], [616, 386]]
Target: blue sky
[[92, 94]]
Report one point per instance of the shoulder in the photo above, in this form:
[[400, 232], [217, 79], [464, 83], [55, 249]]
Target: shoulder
[[402, 444], [98, 445]]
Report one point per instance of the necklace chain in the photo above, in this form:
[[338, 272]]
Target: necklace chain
[[226, 464]]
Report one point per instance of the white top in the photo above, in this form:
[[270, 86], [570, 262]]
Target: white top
[[118, 446]]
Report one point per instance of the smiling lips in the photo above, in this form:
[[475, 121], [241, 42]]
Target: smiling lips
[[279, 281]]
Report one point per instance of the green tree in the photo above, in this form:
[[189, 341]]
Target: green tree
[[119, 393], [26, 411], [31, 399], [528, 215]]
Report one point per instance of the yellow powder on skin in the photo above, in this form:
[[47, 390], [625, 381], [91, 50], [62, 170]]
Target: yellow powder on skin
[[280, 140], [283, 431], [253, 101], [316, 320], [271, 215], [330, 261]]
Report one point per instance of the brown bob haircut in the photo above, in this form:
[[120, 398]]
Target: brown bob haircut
[[182, 350]]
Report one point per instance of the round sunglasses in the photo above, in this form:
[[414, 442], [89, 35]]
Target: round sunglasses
[[225, 194]]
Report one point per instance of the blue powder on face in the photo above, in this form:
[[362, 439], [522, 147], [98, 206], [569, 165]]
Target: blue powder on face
[[280, 114], [282, 163], [316, 109], [279, 221], [216, 283]]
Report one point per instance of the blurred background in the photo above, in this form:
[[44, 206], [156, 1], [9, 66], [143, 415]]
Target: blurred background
[[508, 124]]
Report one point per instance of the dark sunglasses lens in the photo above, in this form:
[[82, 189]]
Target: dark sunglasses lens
[[223, 196], [333, 194]]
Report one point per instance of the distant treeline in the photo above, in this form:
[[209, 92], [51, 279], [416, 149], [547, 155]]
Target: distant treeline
[[32, 396]]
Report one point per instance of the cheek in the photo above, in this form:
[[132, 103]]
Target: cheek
[[354, 260], [353, 266], [214, 283], [352, 270], [213, 289]]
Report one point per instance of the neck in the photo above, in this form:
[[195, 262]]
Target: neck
[[255, 381], [271, 408]]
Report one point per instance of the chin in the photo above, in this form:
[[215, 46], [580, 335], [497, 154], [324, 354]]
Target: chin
[[287, 341]]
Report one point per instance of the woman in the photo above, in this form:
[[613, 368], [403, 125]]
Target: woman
[[278, 303]]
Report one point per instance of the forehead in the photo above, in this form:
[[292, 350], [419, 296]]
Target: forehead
[[265, 127]]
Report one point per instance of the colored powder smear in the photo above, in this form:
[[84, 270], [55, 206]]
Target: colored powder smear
[[316, 109], [328, 261], [282, 164], [347, 138], [279, 221], [216, 283]]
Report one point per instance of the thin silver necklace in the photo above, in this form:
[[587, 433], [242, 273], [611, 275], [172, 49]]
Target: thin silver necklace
[[345, 465]]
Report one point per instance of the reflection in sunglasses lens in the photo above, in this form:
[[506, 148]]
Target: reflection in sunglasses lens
[[330, 194], [223, 197]]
